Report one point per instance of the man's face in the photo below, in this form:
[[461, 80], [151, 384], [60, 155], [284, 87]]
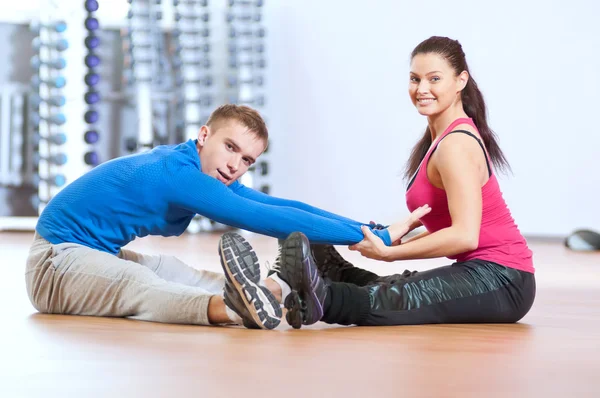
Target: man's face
[[227, 150]]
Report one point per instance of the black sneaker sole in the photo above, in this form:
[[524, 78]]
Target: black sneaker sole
[[302, 303], [296, 307], [242, 270]]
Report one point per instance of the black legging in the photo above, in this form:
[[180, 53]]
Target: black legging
[[474, 291]]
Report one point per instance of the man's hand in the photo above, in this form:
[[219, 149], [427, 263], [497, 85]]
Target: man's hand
[[375, 225]]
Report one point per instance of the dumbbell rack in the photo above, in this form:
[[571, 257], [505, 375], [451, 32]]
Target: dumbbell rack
[[166, 87], [92, 77], [143, 58], [47, 103], [192, 64], [245, 73], [12, 129]]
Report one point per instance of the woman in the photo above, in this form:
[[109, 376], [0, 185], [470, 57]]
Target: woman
[[468, 221]]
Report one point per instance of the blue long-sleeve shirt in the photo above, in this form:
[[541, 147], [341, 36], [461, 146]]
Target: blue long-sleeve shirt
[[160, 191]]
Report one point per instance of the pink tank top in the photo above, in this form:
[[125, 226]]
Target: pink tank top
[[500, 240]]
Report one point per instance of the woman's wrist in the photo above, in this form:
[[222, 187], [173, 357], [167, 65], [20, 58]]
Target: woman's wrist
[[397, 231]]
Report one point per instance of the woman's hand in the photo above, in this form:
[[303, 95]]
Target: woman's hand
[[371, 246], [399, 229]]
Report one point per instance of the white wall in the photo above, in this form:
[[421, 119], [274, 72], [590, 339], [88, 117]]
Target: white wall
[[343, 125]]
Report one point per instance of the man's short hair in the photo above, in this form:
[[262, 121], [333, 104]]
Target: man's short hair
[[244, 115]]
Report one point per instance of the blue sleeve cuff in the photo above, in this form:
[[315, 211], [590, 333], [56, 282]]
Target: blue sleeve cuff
[[384, 235]]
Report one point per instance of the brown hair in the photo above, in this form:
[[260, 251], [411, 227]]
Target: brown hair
[[472, 99], [243, 114]]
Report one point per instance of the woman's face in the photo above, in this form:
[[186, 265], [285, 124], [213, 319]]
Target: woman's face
[[433, 85]]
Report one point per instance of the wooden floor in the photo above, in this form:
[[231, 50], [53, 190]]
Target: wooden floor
[[553, 352]]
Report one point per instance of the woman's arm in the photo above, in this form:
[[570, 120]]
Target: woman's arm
[[457, 162], [400, 229], [418, 236]]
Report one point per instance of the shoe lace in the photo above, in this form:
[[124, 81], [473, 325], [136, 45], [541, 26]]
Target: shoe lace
[[276, 267]]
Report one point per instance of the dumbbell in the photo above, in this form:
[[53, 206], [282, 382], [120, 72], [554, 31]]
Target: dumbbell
[[91, 23], [59, 45], [91, 116], [204, 81], [58, 159], [259, 100], [260, 167], [91, 5], [203, 17], [244, 17], [36, 201], [131, 62], [132, 45], [257, 3], [58, 26], [234, 63], [54, 139], [258, 48], [91, 97], [260, 32], [145, 15], [131, 144], [92, 60], [182, 124], [58, 180], [195, 47], [204, 63], [263, 168], [202, 101], [53, 100], [58, 119], [91, 79], [202, 3], [58, 63], [138, 31], [91, 158], [202, 32], [234, 81], [54, 82], [92, 42], [91, 137]]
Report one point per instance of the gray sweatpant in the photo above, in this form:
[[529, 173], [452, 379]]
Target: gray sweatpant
[[69, 278]]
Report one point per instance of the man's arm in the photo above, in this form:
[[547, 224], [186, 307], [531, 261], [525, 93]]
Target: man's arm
[[257, 196], [194, 191]]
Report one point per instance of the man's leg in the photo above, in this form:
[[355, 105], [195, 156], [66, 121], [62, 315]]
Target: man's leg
[[172, 269], [73, 279], [244, 291]]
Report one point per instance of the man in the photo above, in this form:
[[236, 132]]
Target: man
[[77, 264]]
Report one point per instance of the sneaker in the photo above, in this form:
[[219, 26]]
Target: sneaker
[[255, 304], [330, 262], [298, 269]]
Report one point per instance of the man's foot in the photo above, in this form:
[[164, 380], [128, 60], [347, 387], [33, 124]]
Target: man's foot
[[298, 269], [255, 304]]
